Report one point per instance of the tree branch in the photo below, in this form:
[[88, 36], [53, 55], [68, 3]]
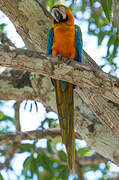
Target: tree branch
[[10, 153], [17, 85], [32, 135], [82, 160], [31, 20], [17, 115], [5, 40], [20, 86], [45, 93], [78, 167], [91, 160], [75, 73], [116, 13], [84, 76]]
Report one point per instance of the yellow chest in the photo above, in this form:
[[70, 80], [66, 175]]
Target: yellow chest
[[64, 41]]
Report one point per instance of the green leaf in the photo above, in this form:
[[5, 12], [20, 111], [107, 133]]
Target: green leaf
[[62, 156], [107, 7], [1, 177], [63, 171], [45, 175], [116, 44], [46, 162], [50, 146], [27, 165], [2, 26], [95, 167], [83, 152], [107, 167], [5, 117], [111, 41], [101, 37], [34, 167], [26, 147], [91, 3], [30, 167]]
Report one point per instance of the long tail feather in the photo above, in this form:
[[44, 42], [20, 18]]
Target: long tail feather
[[65, 107]]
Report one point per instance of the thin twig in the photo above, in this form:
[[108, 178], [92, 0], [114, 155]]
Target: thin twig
[[32, 135], [10, 154], [17, 115], [78, 167], [84, 161], [5, 40]]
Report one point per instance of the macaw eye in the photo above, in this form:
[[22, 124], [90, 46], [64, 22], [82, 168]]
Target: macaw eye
[[63, 12], [62, 9], [59, 14]]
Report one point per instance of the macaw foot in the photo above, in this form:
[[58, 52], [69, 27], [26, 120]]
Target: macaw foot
[[69, 60], [59, 57], [53, 82]]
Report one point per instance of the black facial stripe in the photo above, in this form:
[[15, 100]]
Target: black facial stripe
[[61, 20]]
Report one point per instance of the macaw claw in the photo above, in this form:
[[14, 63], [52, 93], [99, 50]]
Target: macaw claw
[[69, 60], [59, 57]]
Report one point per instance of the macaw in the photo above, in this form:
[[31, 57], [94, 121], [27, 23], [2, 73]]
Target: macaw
[[65, 39]]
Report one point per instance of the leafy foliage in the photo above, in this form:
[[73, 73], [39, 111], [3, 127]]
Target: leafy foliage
[[107, 7], [2, 25], [45, 163], [100, 25]]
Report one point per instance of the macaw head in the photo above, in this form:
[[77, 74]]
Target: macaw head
[[62, 14]]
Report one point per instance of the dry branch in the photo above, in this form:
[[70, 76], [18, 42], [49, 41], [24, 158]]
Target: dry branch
[[81, 75], [116, 13], [10, 154], [82, 160], [20, 86], [17, 115], [75, 73], [91, 160], [5, 40], [31, 135]]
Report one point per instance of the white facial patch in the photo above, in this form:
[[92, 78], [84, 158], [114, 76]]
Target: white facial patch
[[63, 12]]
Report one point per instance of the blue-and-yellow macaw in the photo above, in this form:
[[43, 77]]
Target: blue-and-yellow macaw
[[65, 39]]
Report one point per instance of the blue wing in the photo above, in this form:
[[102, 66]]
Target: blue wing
[[78, 44], [49, 51], [50, 41]]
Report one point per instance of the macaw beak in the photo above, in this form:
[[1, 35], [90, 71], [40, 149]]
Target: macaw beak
[[57, 15]]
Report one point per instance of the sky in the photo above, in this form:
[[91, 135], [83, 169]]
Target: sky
[[32, 120]]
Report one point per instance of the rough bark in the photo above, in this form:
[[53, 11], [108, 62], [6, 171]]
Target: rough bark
[[116, 13], [40, 88], [87, 161], [32, 22], [30, 19], [81, 75], [75, 73], [17, 115]]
